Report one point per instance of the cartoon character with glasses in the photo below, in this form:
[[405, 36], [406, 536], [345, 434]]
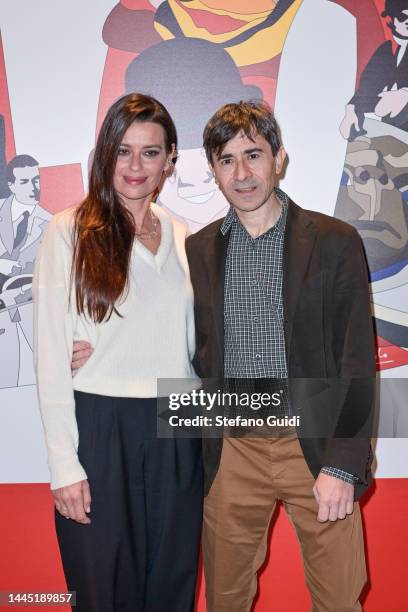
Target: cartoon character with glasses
[[373, 197]]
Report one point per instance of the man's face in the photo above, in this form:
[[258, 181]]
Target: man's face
[[26, 186], [401, 23], [247, 171], [191, 191]]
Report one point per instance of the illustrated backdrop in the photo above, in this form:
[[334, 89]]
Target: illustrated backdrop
[[336, 74]]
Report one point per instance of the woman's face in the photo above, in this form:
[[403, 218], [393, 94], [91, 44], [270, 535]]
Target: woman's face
[[141, 161]]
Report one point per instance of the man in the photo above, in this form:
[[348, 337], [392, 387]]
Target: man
[[280, 292], [22, 223]]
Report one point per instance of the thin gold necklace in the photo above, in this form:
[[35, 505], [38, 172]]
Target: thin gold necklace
[[153, 232]]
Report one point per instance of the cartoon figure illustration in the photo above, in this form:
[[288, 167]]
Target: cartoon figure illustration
[[252, 33], [255, 36], [383, 90], [374, 198], [369, 31], [22, 223], [373, 194], [213, 79]]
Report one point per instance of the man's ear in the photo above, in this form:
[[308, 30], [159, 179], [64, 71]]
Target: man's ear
[[280, 159], [11, 187], [211, 167]]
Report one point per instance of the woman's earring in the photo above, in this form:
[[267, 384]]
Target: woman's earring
[[171, 173]]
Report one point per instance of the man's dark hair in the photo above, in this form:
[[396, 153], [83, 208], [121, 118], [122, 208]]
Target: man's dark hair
[[19, 161], [251, 118]]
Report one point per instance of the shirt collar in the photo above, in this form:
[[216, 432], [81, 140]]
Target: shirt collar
[[17, 209], [232, 216]]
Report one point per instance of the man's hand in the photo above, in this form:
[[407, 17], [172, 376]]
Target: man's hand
[[73, 501], [81, 353], [334, 497]]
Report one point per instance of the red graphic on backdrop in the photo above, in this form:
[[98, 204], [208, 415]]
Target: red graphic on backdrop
[[389, 355], [7, 142]]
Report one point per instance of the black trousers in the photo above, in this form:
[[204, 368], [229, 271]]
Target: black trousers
[[140, 552]]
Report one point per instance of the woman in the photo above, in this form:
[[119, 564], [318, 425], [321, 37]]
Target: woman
[[113, 271]]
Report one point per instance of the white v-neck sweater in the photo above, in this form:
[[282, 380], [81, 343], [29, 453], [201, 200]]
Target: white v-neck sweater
[[153, 339]]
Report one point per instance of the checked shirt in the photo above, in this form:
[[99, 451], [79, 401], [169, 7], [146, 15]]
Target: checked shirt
[[254, 338]]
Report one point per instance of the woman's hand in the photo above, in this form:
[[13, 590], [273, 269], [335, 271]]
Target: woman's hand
[[73, 501]]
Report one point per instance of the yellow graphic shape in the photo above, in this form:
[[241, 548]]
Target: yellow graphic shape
[[263, 46]]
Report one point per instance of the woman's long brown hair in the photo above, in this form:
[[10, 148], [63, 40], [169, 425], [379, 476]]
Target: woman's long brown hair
[[104, 228]]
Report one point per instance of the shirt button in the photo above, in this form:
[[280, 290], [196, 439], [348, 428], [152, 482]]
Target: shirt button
[[256, 319], [257, 356], [254, 281]]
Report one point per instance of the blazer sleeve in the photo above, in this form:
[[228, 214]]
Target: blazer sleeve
[[354, 350]]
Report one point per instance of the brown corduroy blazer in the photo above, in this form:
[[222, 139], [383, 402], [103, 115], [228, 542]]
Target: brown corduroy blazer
[[328, 334]]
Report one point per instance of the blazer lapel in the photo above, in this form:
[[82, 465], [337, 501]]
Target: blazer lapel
[[299, 241], [217, 254], [300, 237]]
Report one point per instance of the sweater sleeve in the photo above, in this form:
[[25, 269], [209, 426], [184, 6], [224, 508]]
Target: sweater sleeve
[[54, 319]]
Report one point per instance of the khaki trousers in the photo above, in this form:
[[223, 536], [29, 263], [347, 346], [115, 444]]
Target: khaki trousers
[[253, 475]]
